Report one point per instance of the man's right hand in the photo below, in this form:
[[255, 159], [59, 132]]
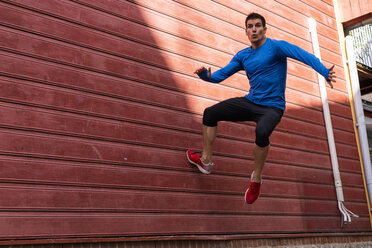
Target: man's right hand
[[202, 69]]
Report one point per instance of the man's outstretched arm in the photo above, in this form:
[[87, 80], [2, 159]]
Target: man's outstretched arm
[[220, 75], [310, 59]]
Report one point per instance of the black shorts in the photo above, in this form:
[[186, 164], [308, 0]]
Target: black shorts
[[241, 109]]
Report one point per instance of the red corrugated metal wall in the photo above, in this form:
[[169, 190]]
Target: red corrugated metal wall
[[99, 103]]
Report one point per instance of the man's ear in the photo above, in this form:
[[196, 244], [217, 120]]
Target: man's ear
[[265, 29]]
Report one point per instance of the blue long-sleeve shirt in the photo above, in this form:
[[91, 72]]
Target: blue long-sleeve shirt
[[266, 69]]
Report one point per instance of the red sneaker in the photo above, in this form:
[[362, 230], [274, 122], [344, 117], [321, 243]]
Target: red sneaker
[[195, 160], [252, 192]]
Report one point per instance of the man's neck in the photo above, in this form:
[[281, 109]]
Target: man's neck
[[259, 43]]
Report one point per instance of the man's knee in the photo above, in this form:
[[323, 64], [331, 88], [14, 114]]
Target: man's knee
[[262, 142], [209, 117], [262, 137]]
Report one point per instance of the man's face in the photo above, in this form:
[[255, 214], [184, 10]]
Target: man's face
[[255, 31]]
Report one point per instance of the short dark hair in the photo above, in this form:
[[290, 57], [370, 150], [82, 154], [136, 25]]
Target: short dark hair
[[254, 15]]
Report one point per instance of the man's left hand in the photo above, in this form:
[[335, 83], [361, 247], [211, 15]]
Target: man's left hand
[[331, 76]]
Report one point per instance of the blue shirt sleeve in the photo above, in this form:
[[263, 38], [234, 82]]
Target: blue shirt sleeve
[[220, 75], [299, 54]]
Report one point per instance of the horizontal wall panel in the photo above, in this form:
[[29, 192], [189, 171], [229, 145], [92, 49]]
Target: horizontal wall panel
[[52, 72], [90, 225], [131, 70], [73, 148], [96, 152], [169, 160], [151, 56], [129, 11], [54, 27], [167, 45], [220, 11], [315, 7], [24, 118], [131, 114], [76, 56], [281, 10], [72, 199]]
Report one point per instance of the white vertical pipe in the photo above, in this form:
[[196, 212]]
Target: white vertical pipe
[[327, 115], [359, 112], [346, 214]]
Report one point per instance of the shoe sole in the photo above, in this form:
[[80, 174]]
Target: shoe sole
[[245, 196], [197, 165]]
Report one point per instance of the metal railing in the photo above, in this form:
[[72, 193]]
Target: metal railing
[[367, 105], [362, 39]]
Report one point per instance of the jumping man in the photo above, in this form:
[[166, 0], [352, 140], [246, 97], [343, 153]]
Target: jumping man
[[265, 63]]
